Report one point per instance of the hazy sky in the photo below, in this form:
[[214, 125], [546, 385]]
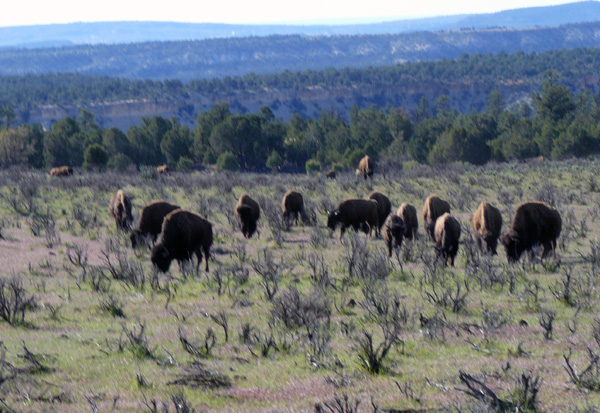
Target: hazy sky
[[29, 12]]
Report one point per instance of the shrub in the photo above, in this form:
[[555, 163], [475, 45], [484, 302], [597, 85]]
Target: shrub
[[274, 161], [313, 166], [119, 162], [227, 162], [95, 157], [184, 164]]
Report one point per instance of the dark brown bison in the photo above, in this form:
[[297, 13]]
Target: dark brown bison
[[408, 213], [151, 220], [61, 171], [447, 235], [293, 206], [120, 210], [384, 207], [357, 213], [487, 224], [163, 170], [330, 175], [183, 234], [366, 167], [393, 233], [534, 223], [434, 208], [247, 211]]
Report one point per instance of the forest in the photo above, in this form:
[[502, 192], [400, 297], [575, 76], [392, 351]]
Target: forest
[[558, 124]]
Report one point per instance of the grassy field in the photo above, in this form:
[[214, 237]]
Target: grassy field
[[295, 318]]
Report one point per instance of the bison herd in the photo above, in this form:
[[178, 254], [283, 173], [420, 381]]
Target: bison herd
[[184, 233]]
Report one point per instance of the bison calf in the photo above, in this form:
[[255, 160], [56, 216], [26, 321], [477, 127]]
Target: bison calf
[[434, 208], [357, 213], [384, 207], [120, 210], [183, 234], [487, 224], [151, 220], [534, 223], [408, 213], [393, 233], [293, 206], [447, 236], [61, 171], [247, 211]]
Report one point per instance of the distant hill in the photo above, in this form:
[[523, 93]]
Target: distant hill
[[58, 35], [219, 58]]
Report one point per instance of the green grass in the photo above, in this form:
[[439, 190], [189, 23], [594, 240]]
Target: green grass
[[90, 355]]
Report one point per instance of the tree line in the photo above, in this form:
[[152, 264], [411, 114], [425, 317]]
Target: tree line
[[558, 123]]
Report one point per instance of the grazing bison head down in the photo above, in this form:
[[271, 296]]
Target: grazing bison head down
[[513, 245], [161, 257], [247, 220], [333, 219]]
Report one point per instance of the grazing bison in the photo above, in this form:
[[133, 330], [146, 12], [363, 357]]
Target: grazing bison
[[151, 220], [534, 223], [61, 171], [447, 234], [357, 213], [120, 210], [330, 175], [366, 167], [408, 213], [384, 207], [393, 233], [247, 211], [163, 170], [292, 206], [434, 208], [487, 224], [183, 234]]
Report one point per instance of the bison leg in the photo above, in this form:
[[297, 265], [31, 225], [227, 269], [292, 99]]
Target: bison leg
[[546, 248], [206, 255]]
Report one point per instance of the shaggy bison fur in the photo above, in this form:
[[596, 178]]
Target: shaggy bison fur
[[534, 223], [61, 171], [293, 206], [447, 235], [366, 167], [487, 224], [408, 213], [357, 213], [384, 207], [434, 208], [151, 220], [183, 234], [247, 211], [120, 210], [393, 233]]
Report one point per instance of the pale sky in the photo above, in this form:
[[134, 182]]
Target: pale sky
[[31, 12]]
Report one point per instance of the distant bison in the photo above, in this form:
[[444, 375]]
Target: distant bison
[[384, 207], [357, 213], [183, 234], [120, 210], [366, 167], [151, 220], [61, 171], [163, 170], [247, 211], [434, 208], [487, 224], [330, 175], [293, 206], [408, 213], [534, 223], [447, 235], [393, 233]]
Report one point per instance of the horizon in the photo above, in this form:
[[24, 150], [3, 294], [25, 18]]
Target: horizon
[[65, 12]]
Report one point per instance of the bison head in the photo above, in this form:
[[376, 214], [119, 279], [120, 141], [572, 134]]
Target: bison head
[[333, 219], [491, 242], [513, 245], [161, 257]]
